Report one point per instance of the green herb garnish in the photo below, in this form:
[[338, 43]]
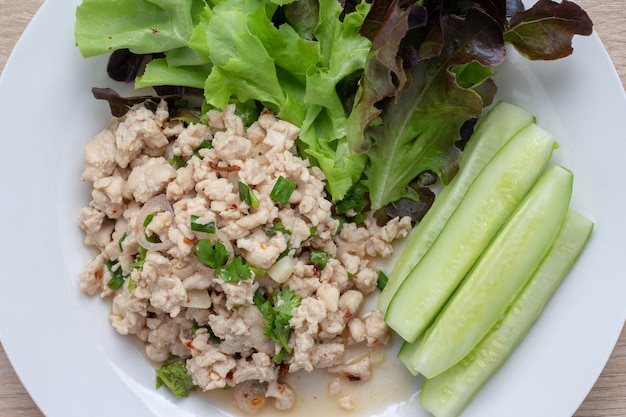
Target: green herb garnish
[[202, 227], [381, 281], [117, 275], [213, 254], [277, 311], [176, 377], [246, 195], [282, 190], [319, 258]]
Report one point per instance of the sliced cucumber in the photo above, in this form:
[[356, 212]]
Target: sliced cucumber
[[492, 197], [406, 352], [498, 275], [495, 128], [447, 394]]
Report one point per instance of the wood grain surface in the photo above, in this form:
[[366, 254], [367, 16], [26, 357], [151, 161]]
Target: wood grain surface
[[608, 396]]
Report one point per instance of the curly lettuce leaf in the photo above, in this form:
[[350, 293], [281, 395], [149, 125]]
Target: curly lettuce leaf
[[160, 72], [421, 125], [379, 88], [545, 31], [142, 26]]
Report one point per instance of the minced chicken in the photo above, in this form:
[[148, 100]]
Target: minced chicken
[[154, 178]]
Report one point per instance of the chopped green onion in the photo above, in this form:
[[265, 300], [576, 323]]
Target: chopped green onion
[[119, 242], [202, 227], [138, 264], [382, 280], [117, 275], [282, 190], [246, 195], [147, 220], [258, 272]]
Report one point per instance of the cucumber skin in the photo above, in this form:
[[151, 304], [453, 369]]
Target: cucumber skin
[[498, 275], [490, 135], [447, 394], [491, 198]]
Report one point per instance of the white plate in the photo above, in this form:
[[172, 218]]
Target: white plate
[[74, 364]]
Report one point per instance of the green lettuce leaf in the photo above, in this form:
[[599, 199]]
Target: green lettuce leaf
[[143, 26]]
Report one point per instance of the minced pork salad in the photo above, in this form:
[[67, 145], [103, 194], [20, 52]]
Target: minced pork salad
[[219, 250]]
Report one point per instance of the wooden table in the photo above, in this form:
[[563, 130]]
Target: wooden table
[[608, 397]]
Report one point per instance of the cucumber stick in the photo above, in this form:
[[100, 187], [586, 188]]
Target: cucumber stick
[[406, 353], [447, 394], [495, 193], [498, 275], [497, 126]]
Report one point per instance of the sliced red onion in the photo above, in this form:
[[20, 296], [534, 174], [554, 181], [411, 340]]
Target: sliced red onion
[[155, 205]]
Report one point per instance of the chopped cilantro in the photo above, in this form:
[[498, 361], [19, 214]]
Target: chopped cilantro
[[351, 208], [216, 256], [234, 271], [277, 311], [277, 226], [355, 200], [282, 190], [212, 254], [319, 258], [176, 377]]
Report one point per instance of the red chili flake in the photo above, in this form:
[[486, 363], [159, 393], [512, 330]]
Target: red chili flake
[[189, 344], [235, 206], [98, 275], [187, 241]]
